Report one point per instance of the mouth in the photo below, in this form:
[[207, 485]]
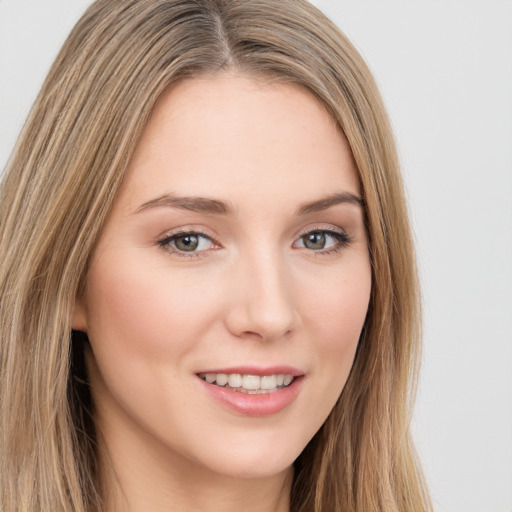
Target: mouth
[[251, 390], [247, 383]]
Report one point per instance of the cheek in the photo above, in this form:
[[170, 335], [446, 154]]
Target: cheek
[[336, 316], [138, 307], [144, 323], [338, 303]]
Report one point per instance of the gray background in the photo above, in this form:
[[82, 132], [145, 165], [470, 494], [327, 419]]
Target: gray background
[[445, 70]]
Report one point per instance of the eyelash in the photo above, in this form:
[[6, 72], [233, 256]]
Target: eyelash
[[342, 239], [165, 243]]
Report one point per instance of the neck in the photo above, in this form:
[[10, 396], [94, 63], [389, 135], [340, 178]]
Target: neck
[[138, 481]]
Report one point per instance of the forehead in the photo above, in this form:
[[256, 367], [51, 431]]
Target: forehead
[[236, 135]]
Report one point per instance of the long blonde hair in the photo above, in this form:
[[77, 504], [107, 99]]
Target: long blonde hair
[[58, 189]]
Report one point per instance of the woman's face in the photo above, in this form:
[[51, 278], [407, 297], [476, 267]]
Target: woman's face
[[236, 251]]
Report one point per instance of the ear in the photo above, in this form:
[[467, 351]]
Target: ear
[[79, 319]]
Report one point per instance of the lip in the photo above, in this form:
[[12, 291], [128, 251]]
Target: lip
[[258, 404], [257, 370]]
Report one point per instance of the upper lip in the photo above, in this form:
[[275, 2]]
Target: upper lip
[[257, 370]]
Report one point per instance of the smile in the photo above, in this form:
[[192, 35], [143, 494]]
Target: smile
[[250, 384]]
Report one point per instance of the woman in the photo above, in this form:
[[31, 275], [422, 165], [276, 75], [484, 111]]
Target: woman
[[209, 297]]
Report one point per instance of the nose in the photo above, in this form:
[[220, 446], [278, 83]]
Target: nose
[[262, 299]]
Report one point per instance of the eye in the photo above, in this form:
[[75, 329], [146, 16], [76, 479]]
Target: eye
[[323, 240], [187, 243]]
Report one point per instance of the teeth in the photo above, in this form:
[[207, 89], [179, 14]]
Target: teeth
[[253, 384], [268, 382], [235, 380], [221, 379]]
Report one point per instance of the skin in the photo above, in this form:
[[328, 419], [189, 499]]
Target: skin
[[253, 293]]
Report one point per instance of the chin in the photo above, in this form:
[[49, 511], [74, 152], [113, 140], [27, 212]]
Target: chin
[[237, 468], [251, 458]]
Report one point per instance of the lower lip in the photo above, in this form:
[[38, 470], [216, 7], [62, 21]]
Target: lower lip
[[255, 405]]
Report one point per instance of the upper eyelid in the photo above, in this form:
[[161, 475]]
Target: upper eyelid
[[185, 231], [327, 230], [331, 229]]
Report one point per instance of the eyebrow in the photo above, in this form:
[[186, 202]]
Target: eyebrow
[[331, 200], [218, 207], [193, 204]]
